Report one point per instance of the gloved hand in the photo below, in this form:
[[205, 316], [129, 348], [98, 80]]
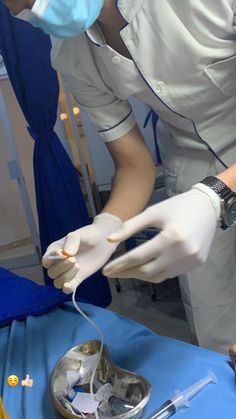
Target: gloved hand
[[88, 249], [187, 222]]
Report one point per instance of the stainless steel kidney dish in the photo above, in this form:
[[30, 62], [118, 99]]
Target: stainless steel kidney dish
[[121, 394]]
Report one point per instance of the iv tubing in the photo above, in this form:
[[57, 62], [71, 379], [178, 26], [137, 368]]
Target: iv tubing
[[101, 346]]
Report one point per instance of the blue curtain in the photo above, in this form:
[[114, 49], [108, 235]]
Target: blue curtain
[[60, 203]]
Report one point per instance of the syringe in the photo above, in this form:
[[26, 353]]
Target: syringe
[[181, 398]]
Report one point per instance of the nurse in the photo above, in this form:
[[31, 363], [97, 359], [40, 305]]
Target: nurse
[[179, 57]]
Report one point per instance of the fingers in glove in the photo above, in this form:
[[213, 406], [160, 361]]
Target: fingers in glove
[[69, 287], [146, 252], [163, 247], [72, 243], [160, 269], [155, 271], [61, 267], [139, 256], [132, 226], [54, 252], [143, 272], [142, 275], [66, 277]]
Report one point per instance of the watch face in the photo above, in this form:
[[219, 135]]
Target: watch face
[[231, 212]]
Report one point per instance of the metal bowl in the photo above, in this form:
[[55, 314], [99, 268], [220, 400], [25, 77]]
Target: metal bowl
[[77, 366]]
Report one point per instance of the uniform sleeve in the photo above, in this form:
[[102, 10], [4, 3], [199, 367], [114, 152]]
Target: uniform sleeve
[[112, 117]]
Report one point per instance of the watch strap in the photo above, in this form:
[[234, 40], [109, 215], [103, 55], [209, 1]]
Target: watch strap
[[224, 193], [219, 187]]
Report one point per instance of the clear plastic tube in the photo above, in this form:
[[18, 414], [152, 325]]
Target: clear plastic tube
[[101, 347]]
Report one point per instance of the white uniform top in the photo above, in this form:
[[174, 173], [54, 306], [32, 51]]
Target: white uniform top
[[184, 66]]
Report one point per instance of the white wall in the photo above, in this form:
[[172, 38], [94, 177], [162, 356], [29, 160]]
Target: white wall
[[13, 226]]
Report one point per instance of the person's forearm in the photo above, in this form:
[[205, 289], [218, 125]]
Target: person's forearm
[[131, 191], [229, 177]]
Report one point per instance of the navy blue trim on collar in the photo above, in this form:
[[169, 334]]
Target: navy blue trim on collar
[[91, 40]]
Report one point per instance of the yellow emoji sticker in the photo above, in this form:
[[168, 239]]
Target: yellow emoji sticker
[[13, 380]]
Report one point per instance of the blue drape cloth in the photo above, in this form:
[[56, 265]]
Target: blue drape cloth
[[60, 203], [20, 297], [34, 347]]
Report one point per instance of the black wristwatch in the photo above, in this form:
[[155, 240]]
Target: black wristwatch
[[228, 200]]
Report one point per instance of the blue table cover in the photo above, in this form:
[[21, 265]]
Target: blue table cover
[[33, 347]]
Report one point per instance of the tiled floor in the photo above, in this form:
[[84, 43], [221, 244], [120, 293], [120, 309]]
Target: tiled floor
[[166, 318], [134, 301]]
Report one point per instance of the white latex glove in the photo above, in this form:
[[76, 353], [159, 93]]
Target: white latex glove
[[88, 249], [188, 223]]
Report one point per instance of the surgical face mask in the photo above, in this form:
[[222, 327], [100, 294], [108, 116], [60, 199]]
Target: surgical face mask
[[63, 18]]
